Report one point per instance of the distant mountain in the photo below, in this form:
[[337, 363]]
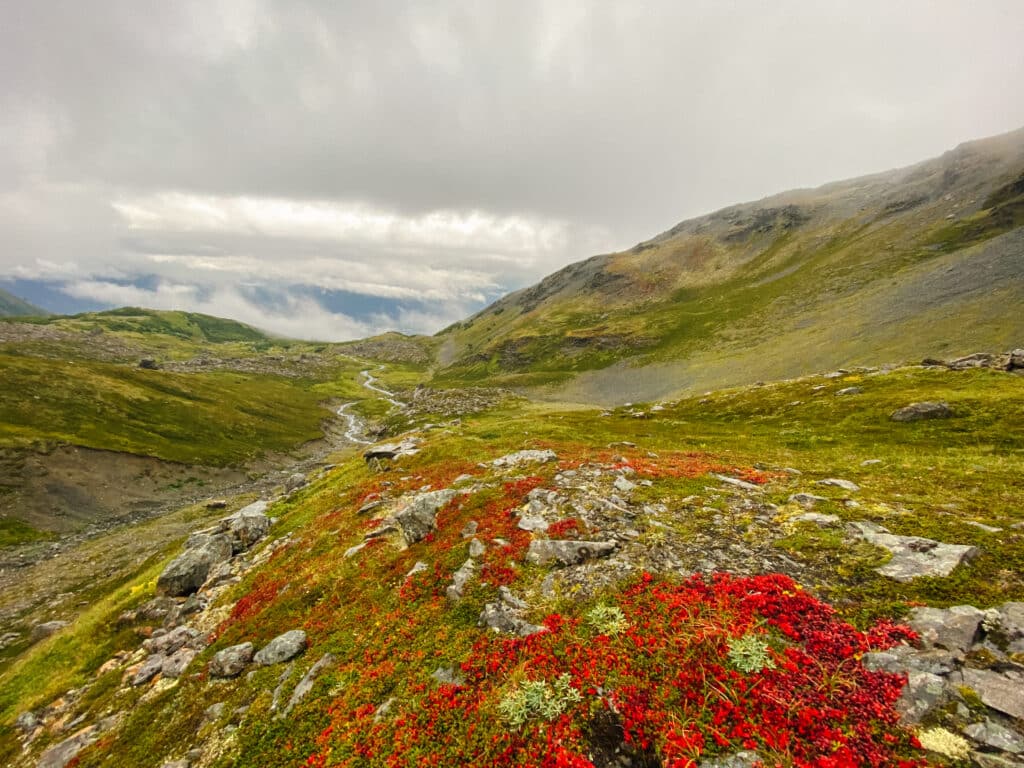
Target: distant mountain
[[923, 260], [191, 326], [12, 306]]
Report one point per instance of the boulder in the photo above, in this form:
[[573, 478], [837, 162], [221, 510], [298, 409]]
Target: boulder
[[532, 523], [1003, 691], [500, 618], [247, 526], [912, 556], [1011, 625], [564, 552], [282, 648], [407, 447], [187, 572], [923, 693], [954, 629], [169, 642], [231, 661], [920, 411], [63, 753], [1015, 360], [418, 517], [295, 482]]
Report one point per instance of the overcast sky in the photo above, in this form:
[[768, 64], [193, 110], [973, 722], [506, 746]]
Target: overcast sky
[[333, 169]]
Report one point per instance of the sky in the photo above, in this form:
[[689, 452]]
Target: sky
[[332, 169]]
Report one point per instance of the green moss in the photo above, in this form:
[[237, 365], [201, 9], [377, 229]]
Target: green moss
[[16, 532]]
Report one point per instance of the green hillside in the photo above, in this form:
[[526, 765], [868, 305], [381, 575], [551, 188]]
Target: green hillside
[[895, 266]]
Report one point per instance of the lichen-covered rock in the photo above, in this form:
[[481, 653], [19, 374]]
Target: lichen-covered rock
[[248, 525], [921, 411], [187, 572], [231, 661], [460, 579], [418, 517], [1003, 691], [175, 664], [282, 648], [996, 736], [150, 668], [565, 552], [913, 556], [525, 457]]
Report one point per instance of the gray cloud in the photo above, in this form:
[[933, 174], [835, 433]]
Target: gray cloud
[[458, 148]]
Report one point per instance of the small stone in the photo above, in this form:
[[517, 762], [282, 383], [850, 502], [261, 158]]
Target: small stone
[[836, 482], [231, 661], [353, 551], [983, 527], [150, 668], [850, 391], [622, 485], [282, 648], [44, 630], [805, 499], [448, 676], [817, 518], [736, 482], [176, 664], [460, 579], [295, 482], [470, 529], [532, 523], [306, 683], [477, 548], [870, 462]]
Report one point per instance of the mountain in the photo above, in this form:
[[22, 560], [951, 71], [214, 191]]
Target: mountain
[[922, 260], [12, 306], [221, 549]]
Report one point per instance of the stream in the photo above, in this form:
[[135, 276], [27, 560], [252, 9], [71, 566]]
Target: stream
[[356, 426]]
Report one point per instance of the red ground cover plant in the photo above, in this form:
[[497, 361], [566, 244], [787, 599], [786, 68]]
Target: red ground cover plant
[[666, 682]]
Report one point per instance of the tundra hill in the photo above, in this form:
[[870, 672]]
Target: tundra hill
[[892, 266], [11, 306], [534, 585], [106, 413]]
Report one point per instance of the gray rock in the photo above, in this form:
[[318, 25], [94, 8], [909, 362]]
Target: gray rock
[[44, 630], [565, 552], [923, 693], [370, 506], [805, 499], [353, 551], [295, 482], [954, 629], [418, 567], [26, 722], [459, 580], [61, 754], [169, 642], [150, 668], [850, 391], [448, 676], [985, 760], [248, 525], [983, 527], [912, 556], [745, 759], [500, 618], [622, 485], [231, 661], [1004, 692], [183, 763], [736, 482], [1010, 617], [920, 411], [823, 521], [525, 457], [306, 683], [175, 665], [1015, 360], [282, 648], [407, 447], [418, 518], [836, 482], [477, 548], [992, 734], [187, 572], [470, 529], [532, 523]]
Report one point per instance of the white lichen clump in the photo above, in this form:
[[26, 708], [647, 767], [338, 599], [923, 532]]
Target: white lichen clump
[[535, 699], [943, 742]]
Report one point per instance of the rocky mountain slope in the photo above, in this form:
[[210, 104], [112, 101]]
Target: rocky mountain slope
[[921, 260]]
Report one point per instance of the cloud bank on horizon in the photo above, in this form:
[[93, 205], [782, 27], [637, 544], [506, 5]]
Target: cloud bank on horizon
[[335, 169]]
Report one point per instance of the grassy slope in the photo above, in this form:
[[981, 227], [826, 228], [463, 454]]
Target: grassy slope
[[851, 271], [933, 478]]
